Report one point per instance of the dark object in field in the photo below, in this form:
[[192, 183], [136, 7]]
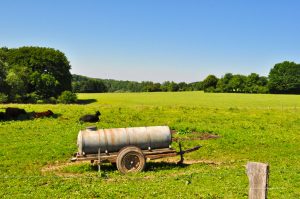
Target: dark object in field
[[14, 113], [43, 114], [2, 116], [91, 118]]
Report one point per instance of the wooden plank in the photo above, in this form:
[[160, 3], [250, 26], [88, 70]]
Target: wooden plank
[[151, 154], [258, 174], [157, 156]]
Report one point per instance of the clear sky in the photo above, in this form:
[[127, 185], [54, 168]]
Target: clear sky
[[158, 40]]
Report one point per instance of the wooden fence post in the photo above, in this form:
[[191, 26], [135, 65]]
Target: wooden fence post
[[258, 174]]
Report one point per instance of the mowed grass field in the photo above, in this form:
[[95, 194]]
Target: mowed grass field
[[34, 154]]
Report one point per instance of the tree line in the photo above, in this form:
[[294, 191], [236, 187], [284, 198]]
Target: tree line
[[283, 78], [82, 84]]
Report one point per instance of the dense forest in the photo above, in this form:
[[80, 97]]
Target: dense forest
[[82, 84], [229, 83], [38, 74]]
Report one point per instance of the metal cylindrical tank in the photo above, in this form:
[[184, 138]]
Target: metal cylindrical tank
[[112, 140]]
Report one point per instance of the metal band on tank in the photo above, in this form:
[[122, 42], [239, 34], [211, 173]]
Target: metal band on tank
[[83, 141], [105, 139], [128, 137], [99, 140], [148, 138]]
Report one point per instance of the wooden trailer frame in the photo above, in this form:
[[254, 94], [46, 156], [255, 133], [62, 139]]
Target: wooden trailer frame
[[132, 158]]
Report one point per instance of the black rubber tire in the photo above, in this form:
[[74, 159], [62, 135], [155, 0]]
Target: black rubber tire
[[130, 160]]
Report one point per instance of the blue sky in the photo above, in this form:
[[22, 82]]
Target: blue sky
[[158, 40]]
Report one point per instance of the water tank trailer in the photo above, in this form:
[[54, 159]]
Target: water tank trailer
[[128, 148]]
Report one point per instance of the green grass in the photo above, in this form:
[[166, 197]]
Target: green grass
[[263, 128]]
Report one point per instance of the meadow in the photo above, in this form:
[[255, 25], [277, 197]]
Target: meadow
[[34, 154]]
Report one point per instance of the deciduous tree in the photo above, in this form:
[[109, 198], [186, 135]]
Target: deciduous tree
[[285, 78]]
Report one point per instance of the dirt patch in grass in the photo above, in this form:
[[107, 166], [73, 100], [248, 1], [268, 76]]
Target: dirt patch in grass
[[188, 162], [196, 136], [58, 166], [207, 136], [59, 169]]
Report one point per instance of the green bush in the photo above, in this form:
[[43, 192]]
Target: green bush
[[32, 98], [209, 90], [3, 98], [17, 98], [52, 100], [40, 101], [67, 97]]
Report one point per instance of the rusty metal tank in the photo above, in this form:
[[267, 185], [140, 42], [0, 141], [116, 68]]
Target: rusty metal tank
[[112, 140]]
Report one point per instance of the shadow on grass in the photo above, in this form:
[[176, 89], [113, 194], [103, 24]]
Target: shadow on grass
[[158, 166], [150, 166], [86, 101], [24, 117], [104, 167]]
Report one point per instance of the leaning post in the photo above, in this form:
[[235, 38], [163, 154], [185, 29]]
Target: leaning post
[[258, 174]]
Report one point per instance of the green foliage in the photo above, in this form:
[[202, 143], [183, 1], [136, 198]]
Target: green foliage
[[45, 85], [210, 83], [223, 83], [285, 78], [44, 61], [82, 84], [32, 98], [53, 100], [252, 83], [88, 85], [27, 70], [16, 84], [196, 86], [67, 97], [237, 83], [169, 86], [148, 86], [3, 73], [3, 98]]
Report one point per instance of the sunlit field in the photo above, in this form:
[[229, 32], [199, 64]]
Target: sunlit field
[[34, 154]]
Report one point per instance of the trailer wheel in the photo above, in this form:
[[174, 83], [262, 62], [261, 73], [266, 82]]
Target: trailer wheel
[[130, 159]]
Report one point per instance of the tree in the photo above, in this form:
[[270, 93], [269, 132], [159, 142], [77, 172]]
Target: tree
[[3, 71], [16, 85], [169, 86], [256, 84], [237, 83], [94, 86], [44, 85], [3, 54], [47, 62], [210, 83], [222, 85], [196, 86], [155, 87], [182, 86], [285, 78], [3, 84], [33, 72]]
